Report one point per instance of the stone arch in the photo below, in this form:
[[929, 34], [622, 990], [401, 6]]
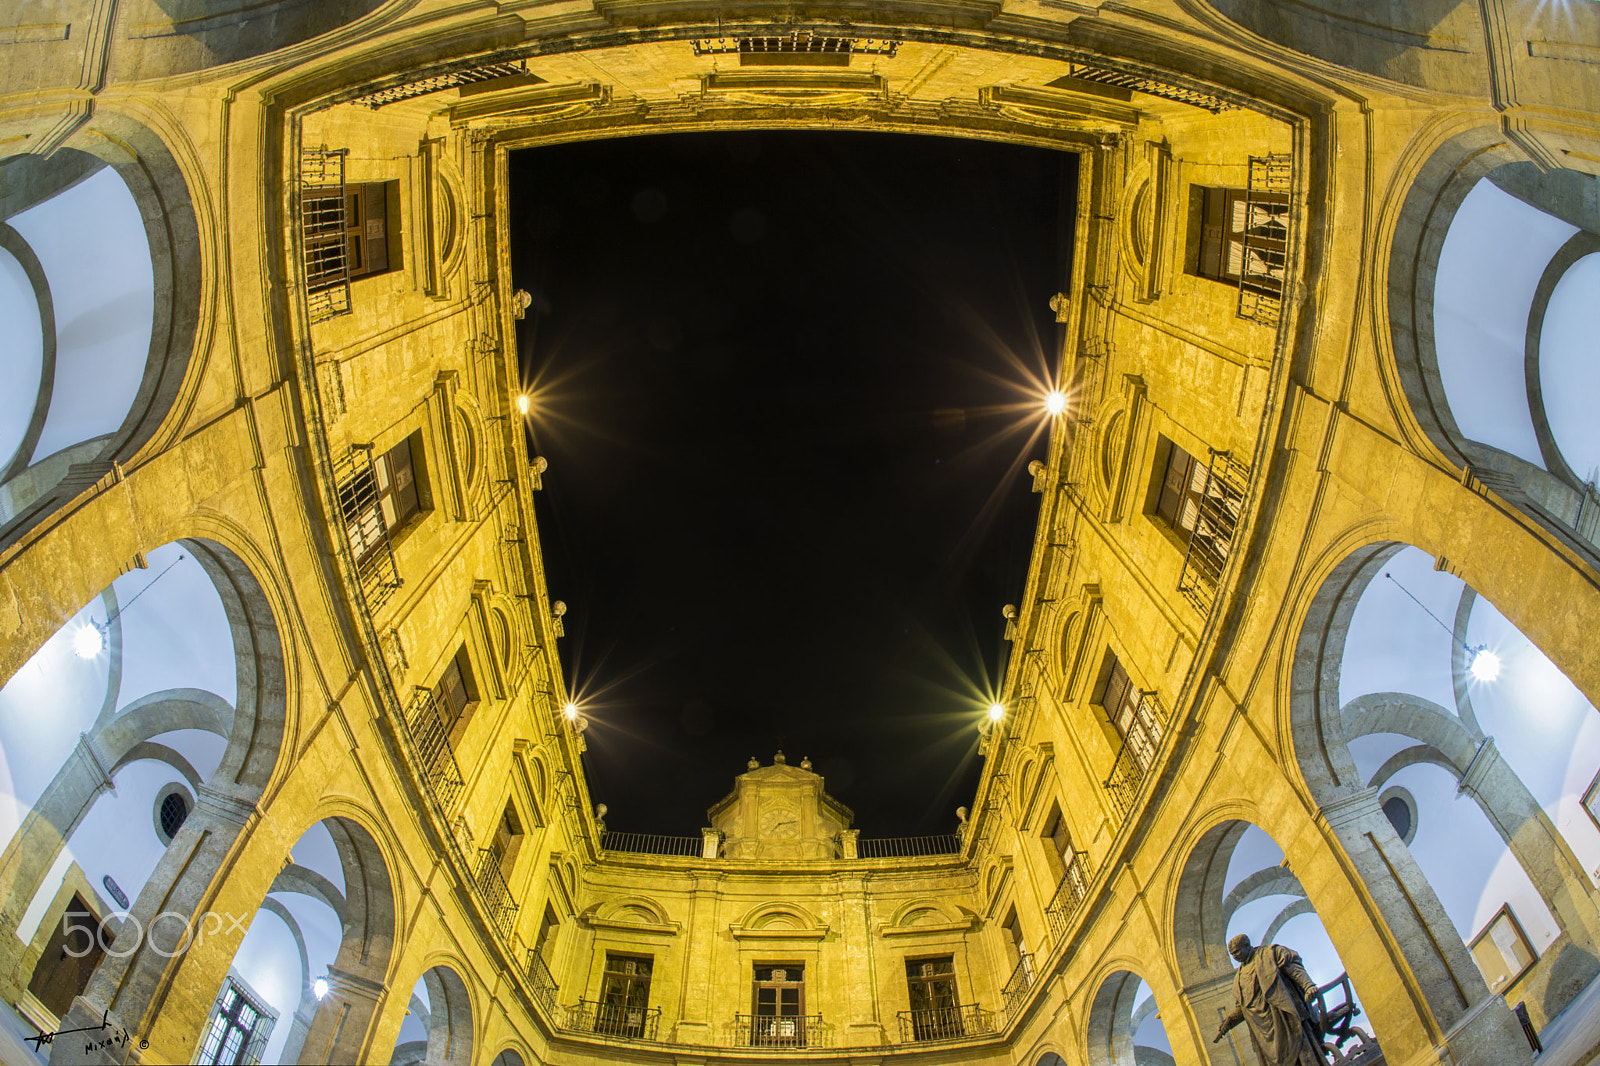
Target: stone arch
[[1116, 1014], [1322, 728], [778, 915], [33, 487], [449, 1021], [636, 910], [1545, 487], [922, 911], [509, 1057]]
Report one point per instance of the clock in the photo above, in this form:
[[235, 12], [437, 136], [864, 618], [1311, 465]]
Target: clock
[[780, 822]]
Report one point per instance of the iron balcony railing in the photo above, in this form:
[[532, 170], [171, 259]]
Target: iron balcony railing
[[909, 847], [361, 511], [435, 83], [436, 762], [1017, 985], [540, 978], [652, 844], [614, 1019], [324, 232], [1264, 243], [1137, 754], [494, 891], [945, 1023], [1219, 505], [1070, 893], [1107, 74], [776, 1032]]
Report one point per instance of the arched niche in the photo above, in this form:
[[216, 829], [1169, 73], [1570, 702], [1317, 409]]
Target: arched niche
[[1489, 275], [100, 272]]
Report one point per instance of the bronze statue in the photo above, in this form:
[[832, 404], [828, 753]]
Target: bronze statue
[[1273, 992]]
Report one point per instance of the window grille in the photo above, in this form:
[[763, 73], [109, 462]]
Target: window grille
[[439, 82], [174, 812], [1262, 225], [1125, 79], [757, 47], [325, 257], [1210, 504], [240, 1025]]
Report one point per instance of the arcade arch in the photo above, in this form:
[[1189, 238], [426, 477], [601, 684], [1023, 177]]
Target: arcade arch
[[1125, 1026], [1427, 689], [438, 1024]]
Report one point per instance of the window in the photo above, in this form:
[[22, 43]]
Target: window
[[174, 812], [1502, 950], [69, 960], [1057, 842], [1201, 501], [1240, 237], [935, 1006], [239, 1027], [508, 838], [778, 1006], [377, 500], [624, 996], [1014, 938], [1134, 722], [549, 928], [347, 232], [456, 694]]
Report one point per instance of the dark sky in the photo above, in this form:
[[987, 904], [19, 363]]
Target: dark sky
[[787, 384]]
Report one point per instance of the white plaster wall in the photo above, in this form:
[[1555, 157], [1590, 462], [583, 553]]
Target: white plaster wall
[[21, 354], [1569, 365]]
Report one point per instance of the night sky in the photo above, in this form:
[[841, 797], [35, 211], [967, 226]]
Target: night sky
[[788, 385]]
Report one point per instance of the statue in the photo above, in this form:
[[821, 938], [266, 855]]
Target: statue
[[1273, 992]]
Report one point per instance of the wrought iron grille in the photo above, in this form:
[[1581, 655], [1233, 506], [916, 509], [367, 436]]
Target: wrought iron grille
[[909, 847], [652, 844], [364, 527], [436, 762], [1070, 894], [494, 892], [544, 984], [1265, 239], [1016, 989], [796, 42], [778, 1032], [324, 240], [945, 1023], [1137, 754], [1219, 504], [612, 1019], [440, 82], [1125, 79]]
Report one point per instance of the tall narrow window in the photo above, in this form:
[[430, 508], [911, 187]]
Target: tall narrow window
[[239, 1027], [346, 232], [1242, 237], [456, 693], [778, 1006], [1137, 727], [508, 839], [624, 996], [544, 945], [935, 1004], [1057, 842], [440, 717]]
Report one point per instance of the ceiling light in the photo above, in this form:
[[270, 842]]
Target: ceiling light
[[1485, 664], [1055, 402], [88, 642], [997, 711]]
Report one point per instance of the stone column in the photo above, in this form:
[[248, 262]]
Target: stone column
[[298, 1028], [697, 1017], [344, 1018], [1423, 994]]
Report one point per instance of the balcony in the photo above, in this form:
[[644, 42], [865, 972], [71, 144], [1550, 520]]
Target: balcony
[[909, 847], [368, 536], [1137, 754], [494, 892], [540, 979], [791, 1032], [1016, 989], [436, 762], [1070, 893], [651, 844], [945, 1023], [1221, 500], [323, 233], [615, 1020], [1264, 249]]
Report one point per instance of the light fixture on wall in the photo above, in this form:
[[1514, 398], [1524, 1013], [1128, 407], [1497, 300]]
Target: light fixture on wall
[[523, 403], [1055, 402], [90, 639], [319, 987], [1483, 664], [997, 712]]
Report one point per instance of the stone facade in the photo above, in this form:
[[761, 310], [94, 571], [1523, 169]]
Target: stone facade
[[1313, 397]]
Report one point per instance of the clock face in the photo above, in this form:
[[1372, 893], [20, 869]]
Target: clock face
[[780, 822]]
